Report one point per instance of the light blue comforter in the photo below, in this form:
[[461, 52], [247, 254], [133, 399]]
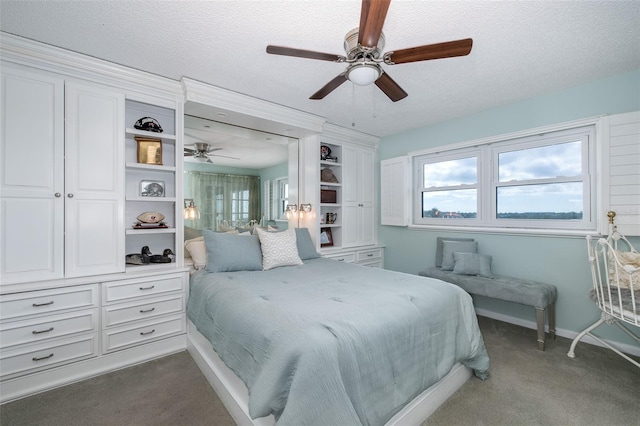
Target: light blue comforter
[[332, 343]]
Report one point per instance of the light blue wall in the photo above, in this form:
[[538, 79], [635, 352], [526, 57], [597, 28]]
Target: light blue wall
[[558, 260]]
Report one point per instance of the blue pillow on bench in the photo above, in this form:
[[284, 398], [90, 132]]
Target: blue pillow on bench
[[472, 264], [450, 247]]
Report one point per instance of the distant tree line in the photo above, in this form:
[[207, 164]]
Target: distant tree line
[[439, 214]]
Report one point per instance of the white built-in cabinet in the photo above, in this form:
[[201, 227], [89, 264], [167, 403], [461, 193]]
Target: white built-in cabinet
[[70, 182], [358, 196], [62, 177], [354, 233]]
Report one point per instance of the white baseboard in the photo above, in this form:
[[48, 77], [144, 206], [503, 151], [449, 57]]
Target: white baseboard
[[569, 334], [45, 380]]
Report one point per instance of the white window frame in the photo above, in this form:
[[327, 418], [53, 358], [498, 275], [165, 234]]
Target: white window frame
[[419, 163], [487, 150]]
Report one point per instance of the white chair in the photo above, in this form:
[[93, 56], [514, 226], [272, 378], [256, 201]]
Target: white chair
[[615, 270]]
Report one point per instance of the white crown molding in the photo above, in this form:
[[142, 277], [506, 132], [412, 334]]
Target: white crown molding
[[332, 132], [76, 65], [227, 100]]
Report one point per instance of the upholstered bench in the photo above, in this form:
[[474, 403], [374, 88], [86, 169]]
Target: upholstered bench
[[540, 295]]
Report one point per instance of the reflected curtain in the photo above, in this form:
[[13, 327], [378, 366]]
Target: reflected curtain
[[223, 198]]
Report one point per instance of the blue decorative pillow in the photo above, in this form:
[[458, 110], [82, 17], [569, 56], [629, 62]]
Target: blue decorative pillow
[[472, 264], [440, 245], [232, 252], [306, 248], [449, 247]]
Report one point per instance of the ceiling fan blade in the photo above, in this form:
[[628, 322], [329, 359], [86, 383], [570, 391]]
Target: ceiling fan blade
[[447, 49], [372, 16], [330, 86], [390, 87], [222, 156], [214, 149], [189, 151], [301, 53]]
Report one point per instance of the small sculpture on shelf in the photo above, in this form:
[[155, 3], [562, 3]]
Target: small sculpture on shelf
[[166, 257], [141, 258], [325, 154], [150, 220]]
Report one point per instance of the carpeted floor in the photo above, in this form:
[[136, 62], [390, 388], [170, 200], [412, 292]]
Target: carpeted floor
[[526, 387]]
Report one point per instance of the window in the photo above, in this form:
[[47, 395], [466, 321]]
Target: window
[[449, 186], [276, 198], [535, 182], [282, 197], [224, 199]]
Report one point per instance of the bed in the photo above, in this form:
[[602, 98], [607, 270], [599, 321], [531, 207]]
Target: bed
[[327, 342]]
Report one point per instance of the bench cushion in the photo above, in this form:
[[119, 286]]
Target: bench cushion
[[518, 290]]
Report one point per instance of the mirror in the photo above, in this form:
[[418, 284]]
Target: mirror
[[236, 177]]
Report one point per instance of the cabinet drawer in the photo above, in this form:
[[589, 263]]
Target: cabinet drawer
[[119, 338], [122, 313], [36, 330], [36, 303], [122, 290], [366, 255], [46, 355], [344, 257], [373, 263]]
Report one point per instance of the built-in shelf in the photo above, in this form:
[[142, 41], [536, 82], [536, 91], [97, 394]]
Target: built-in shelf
[[154, 167], [330, 184], [134, 231], [330, 205], [153, 199], [133, 269], [163, 136], [329, 163]]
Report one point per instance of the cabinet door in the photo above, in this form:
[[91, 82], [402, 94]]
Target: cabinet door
[[32, 208], [358, 196], [94, 180], [366, 197]]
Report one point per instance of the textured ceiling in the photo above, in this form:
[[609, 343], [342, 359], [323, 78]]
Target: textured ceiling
[[521, 49]]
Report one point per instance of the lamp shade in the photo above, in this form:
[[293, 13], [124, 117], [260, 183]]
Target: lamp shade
[[363, 73]]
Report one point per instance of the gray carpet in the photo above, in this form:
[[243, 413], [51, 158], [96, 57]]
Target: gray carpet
[[526, 387]]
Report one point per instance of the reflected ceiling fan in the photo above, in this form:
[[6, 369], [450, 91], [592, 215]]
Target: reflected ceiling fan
[[203, 150], [363, 47]]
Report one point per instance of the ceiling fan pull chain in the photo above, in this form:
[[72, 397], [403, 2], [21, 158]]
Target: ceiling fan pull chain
[[353, 105]]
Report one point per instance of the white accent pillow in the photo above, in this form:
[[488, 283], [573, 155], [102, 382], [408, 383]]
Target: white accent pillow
[[278, 249], [197, 251]]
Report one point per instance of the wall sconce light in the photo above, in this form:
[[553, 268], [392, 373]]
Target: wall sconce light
[[304, 208], [291, 211], [191, 212]]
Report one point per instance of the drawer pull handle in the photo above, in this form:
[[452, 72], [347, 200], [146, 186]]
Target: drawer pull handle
[[36, 305], [35, 358], [144, 311], [341, 260], [147, 288], [146, 333], [370, 255], [42, 331]]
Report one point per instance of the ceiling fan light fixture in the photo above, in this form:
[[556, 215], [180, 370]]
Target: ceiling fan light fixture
[[364, 73]]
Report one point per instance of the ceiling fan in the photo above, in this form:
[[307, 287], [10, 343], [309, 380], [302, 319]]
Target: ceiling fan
[[363, 47], [203, 151]]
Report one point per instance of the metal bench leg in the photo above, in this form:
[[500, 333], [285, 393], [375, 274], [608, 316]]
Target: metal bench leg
[[540, 323], [551, 312]]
